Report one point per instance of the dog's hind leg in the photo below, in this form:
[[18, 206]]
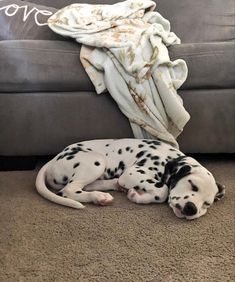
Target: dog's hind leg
[[89, 169], [74, 191]]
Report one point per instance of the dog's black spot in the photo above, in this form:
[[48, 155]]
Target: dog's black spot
[[76, 150], [78, 192], [157, 198], [156, 177], [150, 181], [70, 158], [177, 198], [152, 147], [193, 195], [130, 173], [127, 148], [107, 145], [119, 151], [65, 178], [186, 197], [136, 187], [76, 165], [172, 149], [140, 146], [159, 174], [121, 165], [162, 163], [141, 171], [158, 184], [70, 181], [141, 181], [97, 163], [148, 155], [59, 157], [79, 144], [144, 189], [151, 142], [66, 149], [131, 151], [156, 142], [150, 168], [155, 158], [140, 154], [73, 174], [142, 162], [156, 163], [60, 194], [71, 153]]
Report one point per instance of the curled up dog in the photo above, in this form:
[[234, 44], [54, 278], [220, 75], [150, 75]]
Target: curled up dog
[[150, 171]]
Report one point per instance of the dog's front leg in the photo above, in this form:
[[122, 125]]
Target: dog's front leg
[[103, 185]]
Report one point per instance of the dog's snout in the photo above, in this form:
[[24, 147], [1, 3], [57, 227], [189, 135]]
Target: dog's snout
[[189, 209]]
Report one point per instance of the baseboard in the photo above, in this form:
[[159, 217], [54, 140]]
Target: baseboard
[[9, 163]]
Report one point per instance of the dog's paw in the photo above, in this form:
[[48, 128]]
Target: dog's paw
[[102, 199], [133, 195]]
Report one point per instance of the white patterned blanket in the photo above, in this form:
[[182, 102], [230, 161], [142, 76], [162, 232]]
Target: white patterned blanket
[[125, 52]]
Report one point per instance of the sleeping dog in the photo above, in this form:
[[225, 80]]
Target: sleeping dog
[[150, 171]]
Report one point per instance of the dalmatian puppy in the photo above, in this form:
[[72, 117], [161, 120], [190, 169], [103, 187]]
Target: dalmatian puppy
[[150, 171]]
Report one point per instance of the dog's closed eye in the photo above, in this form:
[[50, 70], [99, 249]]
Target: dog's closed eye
[[194, 187], [206, 204]]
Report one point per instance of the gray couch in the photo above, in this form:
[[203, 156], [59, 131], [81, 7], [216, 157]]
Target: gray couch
[[47, 101]]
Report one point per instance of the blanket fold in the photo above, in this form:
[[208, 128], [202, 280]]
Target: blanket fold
[[125, 52]]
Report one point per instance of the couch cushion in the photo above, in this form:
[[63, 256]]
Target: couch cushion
[[210, 65], [31, 65], [193, 21], [40, 65], [24, 20]]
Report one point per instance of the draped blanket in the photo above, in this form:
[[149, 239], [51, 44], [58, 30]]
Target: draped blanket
[[125, 52]]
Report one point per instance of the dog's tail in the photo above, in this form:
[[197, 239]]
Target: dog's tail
[[46, 193]]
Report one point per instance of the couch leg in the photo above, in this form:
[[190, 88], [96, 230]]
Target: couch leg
[[8, 163]]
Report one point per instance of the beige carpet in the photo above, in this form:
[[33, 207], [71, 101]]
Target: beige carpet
[[41, 241]]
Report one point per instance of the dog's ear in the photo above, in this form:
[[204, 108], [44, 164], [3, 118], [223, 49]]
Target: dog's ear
[[220, 193]]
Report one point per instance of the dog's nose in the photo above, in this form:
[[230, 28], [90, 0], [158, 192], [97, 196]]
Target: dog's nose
[[189, 209]]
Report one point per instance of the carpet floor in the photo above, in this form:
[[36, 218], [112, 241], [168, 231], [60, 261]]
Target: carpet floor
[[125, 242]]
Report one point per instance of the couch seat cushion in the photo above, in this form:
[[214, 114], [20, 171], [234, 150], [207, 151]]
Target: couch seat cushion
[[41, 65]]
